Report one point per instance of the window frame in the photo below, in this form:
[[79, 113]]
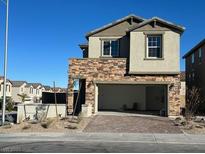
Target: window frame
[[110, 52], [200, 55], [147, 46], [193, 58]]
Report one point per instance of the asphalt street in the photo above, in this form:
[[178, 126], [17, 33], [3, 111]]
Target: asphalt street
[[101, 142]]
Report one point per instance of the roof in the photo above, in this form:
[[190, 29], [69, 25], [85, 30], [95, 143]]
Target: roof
[[18, 83], [178, 27], [83, 46], [113, 23], [47, 87], [1, 78], [29, 84], [194, 48], [35, 85], [182, 76]]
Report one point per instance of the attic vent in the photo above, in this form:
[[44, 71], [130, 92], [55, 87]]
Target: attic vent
[[131, 21], [155, 22]]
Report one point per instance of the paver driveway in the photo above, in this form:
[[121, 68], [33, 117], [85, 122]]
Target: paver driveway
[[131, 124]]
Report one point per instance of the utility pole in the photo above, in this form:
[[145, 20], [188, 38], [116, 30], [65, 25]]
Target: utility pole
[[5, 62]]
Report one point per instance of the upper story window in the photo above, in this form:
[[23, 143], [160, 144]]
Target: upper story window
[[154, 46], [110, 48], [192, 58], [8, 88], [31, 90], [200, 55]]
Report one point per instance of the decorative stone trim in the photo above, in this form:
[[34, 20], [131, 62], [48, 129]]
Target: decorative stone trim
[[115, 70]]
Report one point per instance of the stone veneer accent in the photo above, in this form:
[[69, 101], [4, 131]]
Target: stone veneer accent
[[115, 69]]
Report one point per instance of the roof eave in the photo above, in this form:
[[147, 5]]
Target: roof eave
[[113, 24], [180, 28], [194, 48]]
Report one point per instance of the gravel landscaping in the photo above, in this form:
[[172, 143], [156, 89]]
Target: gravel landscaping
[[50, 125]]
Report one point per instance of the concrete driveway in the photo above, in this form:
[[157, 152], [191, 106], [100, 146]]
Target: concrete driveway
[[131, 124]]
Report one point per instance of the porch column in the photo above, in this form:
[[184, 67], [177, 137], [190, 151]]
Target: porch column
[[70, 95]]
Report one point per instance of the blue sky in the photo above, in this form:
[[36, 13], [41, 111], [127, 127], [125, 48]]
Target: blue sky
[[43, 34]]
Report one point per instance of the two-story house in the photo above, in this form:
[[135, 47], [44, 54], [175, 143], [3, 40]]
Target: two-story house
[[195, 66], [8, 87], [18, 89], [37, 91], [131, 64]]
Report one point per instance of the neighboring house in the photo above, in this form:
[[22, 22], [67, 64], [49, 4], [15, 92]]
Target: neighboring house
[[195, 69], [183, 89], [19, 88], [8, 87], [130, 64], [47, 89], [29, 90], [59, 90], [37, 92]]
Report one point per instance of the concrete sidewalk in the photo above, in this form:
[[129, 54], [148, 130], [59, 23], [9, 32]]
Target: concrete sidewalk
[[105, 137]]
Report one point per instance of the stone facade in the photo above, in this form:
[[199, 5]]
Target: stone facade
[[115, 69]]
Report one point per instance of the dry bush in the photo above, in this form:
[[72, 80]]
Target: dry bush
[[192, 103]]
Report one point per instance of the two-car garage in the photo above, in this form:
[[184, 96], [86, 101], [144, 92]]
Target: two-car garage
[[132, 98]]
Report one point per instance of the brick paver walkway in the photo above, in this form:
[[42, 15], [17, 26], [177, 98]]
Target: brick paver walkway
[[131, 124]]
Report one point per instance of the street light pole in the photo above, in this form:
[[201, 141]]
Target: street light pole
[[5, 62]]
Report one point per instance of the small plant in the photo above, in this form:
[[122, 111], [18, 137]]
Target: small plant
[[23, 97]]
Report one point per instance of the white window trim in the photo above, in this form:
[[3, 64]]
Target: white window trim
[[147, 46], [110, 53]]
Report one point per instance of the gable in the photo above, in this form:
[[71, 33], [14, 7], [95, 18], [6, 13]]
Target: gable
[[130, 20], [156, 27], [151, 26], [117, 30], [156, 23]]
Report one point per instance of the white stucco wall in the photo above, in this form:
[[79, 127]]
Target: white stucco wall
[[171, 52], [30, 110]]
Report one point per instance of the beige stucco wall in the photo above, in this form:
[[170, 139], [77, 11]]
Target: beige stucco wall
[[114, 97], [171, 54], [16, 91], [8, 93], [95, 46]]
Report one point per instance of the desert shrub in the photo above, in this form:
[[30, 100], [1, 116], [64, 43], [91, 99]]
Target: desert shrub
[[192, 103], [9, 103]]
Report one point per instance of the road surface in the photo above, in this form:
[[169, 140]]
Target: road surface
[[101, 142]]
